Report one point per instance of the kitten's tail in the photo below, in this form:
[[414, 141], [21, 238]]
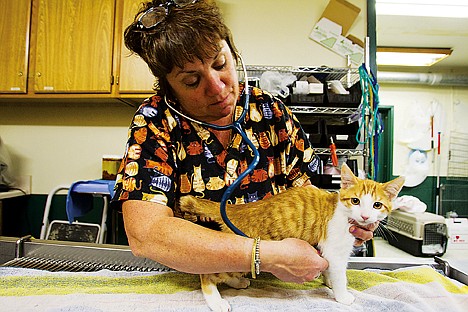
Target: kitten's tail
[[200, 207]]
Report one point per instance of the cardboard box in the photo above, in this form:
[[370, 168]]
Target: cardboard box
[[342, 13], [458, 233], [345, 47], [332, 27], [327, 33], [316, 88]]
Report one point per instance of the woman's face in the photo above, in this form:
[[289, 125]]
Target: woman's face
[[207, 90]]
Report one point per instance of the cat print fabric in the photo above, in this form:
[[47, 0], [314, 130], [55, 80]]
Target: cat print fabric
[[168, 156]]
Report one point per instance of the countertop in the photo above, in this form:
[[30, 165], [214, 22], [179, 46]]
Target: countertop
[[457, 258], [22, 188], [385, 250]]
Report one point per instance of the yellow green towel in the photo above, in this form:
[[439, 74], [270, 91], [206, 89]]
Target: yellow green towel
[[413, 289], [169, 283]]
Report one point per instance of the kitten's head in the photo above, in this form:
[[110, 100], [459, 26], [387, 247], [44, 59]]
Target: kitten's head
[[367, 201]]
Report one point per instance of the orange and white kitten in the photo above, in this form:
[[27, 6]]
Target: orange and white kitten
[[317, 216]]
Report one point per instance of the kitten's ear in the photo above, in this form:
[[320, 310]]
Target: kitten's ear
[[347, 177], [392, 188]]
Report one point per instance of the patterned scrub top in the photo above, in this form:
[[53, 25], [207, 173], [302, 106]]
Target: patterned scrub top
[[168, 156]]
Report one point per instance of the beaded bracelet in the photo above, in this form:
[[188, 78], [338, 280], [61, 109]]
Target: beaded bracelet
[[255, 265]]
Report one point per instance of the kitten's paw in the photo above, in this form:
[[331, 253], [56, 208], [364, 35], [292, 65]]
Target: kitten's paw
[[238, 283], [345, 298], [221, 305], [327, 281]]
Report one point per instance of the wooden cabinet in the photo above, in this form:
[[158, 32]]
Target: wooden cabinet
[[135, 76], [69, 49], [74, 44], [14, 33]]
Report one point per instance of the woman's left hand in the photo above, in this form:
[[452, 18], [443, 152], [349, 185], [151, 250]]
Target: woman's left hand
[[363, 233]]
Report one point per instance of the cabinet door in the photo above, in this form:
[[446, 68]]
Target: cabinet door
[[74, 46], [135, 76], [14, 31]]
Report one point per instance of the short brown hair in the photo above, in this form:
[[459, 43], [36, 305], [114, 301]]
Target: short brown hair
[[193, 31]]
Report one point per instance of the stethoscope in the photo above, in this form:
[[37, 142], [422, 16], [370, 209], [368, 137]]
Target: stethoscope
[[236, 125]]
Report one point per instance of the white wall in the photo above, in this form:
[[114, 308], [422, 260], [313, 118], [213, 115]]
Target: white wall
[[413, 106], [276, 32], [62, 143]]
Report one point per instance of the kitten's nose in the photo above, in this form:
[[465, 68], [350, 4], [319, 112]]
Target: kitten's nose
[[364, 217]]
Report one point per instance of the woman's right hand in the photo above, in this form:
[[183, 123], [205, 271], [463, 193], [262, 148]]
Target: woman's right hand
[[291, 260]]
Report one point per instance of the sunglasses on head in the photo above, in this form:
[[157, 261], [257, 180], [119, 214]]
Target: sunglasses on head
[[152, 17]]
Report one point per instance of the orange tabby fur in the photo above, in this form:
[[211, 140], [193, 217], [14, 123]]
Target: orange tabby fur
[[299, 212]]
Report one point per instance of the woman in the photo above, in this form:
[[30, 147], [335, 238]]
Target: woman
[[189, 49]]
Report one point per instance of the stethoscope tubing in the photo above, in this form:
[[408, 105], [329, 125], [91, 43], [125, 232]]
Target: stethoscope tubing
[[239, 179]]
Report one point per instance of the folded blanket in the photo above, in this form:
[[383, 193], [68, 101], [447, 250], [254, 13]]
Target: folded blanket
[[412, 289]]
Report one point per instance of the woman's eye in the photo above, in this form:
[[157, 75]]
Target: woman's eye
[[355, 201], [378, 205], [193, 82], [220, 63], [220, 66]]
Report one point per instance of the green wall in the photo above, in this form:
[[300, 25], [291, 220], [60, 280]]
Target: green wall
[[23, 216]]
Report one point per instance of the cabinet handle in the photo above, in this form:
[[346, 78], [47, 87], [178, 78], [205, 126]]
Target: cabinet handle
[[20, 74], [38, 74]]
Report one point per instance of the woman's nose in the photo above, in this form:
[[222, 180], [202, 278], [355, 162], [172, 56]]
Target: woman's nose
[[214, 84]]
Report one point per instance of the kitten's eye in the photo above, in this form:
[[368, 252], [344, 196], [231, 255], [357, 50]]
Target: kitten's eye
[[377, 205], [355, 201]]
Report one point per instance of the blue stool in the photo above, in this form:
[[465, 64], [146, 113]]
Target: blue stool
[[79, 202]]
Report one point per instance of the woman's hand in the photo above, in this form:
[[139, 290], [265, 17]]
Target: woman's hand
[[291, 260], [363, 233]]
